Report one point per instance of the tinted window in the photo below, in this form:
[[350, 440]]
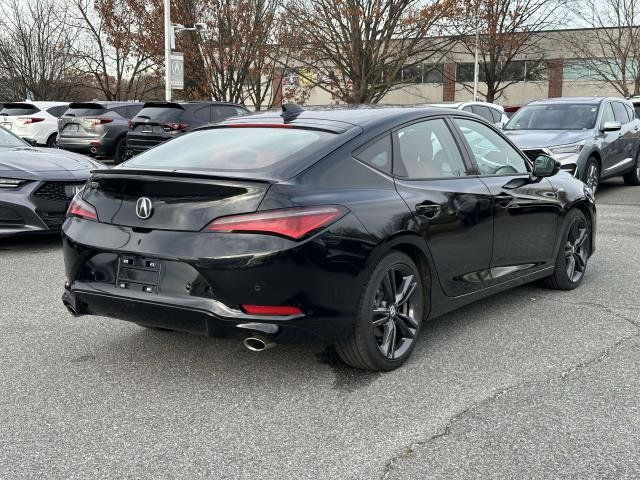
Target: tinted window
[[203, 114], [496, 114], [493, 154], [377, 155], [620, 112], [161, 113], [19, 109], [467, 109], [122, 111], [222, 112], [234, 150], [84, 112], [57, 111], [428, 150], [572, 116], [637, 109], [483, 112]]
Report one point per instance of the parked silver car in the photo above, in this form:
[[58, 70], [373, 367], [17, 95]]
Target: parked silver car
[[593, 138], [491, 112]]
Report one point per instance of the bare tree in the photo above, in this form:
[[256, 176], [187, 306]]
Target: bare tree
[[111, 50], [509, 31], [36, 42], [610, 52], [356, 48]]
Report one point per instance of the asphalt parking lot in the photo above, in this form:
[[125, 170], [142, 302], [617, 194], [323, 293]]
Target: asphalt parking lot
[[528, 384]]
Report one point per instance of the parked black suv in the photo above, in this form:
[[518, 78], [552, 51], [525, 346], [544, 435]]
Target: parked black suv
[[161, 121], [97, 128]]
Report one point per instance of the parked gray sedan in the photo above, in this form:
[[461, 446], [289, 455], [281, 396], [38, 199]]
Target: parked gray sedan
[[593, 138]]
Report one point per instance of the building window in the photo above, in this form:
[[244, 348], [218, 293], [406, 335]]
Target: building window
[[412, 74], [591, 70], [432, 73]]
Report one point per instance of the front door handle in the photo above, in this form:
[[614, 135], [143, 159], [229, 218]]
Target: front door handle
[[429, 211]]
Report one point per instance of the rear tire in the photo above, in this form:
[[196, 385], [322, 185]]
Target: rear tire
[[633, 177], [52, 141], [388, 316], [120, 152], [573, 254]]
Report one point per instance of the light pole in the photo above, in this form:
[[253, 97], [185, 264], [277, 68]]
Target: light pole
[[476, 65], [168, 33]]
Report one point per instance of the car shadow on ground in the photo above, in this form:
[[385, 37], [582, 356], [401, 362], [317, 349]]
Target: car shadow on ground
[[30, 242]]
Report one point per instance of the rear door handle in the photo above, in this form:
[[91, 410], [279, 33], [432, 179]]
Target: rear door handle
[[429, 211]]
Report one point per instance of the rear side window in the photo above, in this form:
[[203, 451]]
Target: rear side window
[[620, 113], [253, 149], [132, 110], [483, 111], [19, 109], [377, 154], [496, 114], [57, 111], [222, 112], [161, 114], [203, 114], [122, 111], [631, 111]]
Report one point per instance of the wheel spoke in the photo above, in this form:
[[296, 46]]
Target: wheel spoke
[[581, 261], [571, 267], [405, 330], [407, 288], [389, 339], [408, 320], [582, 236], [380, 316], [389, 287]]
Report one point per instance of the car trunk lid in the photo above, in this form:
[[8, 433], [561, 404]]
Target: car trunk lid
[[186, 202], [81, 120]]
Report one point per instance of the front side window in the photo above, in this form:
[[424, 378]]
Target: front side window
[[428, 150], [493, 154], [607, 114]]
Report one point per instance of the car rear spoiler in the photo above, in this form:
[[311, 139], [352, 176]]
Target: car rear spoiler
[[163, 105]]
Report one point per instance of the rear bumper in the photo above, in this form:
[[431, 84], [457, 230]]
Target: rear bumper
[[140, 143], [94, 146], [205, 278]]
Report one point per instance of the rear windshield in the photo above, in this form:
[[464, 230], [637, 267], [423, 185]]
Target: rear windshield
[[572, 116], [256, 150], [160, 113], [12, 110], [84, 109]]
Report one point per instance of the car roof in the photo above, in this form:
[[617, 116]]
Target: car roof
[[41, 105], [364, 116], [100, 103], [190, 103]]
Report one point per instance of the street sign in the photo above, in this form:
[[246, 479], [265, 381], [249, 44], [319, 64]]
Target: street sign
[[177, 71]]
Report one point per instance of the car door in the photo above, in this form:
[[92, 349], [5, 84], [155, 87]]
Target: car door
[[626, 150], [526, 211], [452, 210], [611, 147]]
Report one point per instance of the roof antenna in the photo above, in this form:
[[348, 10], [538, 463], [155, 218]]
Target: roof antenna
[[290, 111]]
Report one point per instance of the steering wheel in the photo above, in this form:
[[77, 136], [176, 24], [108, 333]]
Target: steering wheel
[[506, 170]]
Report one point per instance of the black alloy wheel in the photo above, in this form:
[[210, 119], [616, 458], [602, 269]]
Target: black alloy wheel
[[633, 177], [120, 154], [389, 317], [592, 174], [571, 263], [52, 141]]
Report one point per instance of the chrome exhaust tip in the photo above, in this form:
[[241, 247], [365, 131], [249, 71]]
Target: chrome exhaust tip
[[258, 343], [71, 310], [93, 150]]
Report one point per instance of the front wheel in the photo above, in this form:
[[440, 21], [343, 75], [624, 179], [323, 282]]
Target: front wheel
[[592, 174], [388, 317], [571, 262], [633, 177]]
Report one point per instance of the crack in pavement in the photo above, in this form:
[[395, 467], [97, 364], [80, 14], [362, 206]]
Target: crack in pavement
[[406, 453]]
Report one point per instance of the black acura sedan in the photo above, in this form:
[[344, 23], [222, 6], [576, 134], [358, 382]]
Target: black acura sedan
[[37, 184], [352, 227]]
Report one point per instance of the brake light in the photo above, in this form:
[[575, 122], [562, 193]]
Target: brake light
[[293, 223], [30, 120], [271, 310], [175, 126], [80, 208], [99, 121]]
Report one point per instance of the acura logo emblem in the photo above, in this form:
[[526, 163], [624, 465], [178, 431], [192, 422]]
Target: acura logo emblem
[[144, 208]]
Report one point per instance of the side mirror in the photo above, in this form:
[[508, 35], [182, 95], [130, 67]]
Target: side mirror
[[611, 126], [545, 166]]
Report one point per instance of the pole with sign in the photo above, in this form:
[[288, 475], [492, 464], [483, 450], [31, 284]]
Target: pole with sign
[[177, 71]]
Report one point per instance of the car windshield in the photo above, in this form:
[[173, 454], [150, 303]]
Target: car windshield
[[247, 149], [571, 116], [9, 140]]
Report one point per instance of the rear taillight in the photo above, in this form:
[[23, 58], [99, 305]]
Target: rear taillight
[[80, 208], [175, 126], [294, 223], [275, 310], [30, 120], [60, 122], [99, 121]]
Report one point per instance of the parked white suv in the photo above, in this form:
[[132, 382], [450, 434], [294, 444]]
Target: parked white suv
[[491, 112], [35, 122]]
